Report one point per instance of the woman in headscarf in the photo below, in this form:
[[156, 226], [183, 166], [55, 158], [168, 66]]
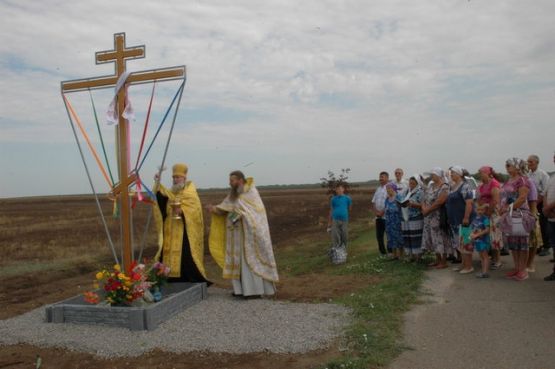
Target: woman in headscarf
[[434, 238], [393, 221], [489, 193], [460, 212], [514, 205], [413, 220]]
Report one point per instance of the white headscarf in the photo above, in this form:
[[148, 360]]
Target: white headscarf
[[438, 172], [457, 169], [418, 179]]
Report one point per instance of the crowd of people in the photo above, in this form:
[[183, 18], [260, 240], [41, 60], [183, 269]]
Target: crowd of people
[[452, 214], [449, 214]]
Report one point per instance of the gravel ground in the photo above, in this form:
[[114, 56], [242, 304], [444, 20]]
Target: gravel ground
[[217, 324]]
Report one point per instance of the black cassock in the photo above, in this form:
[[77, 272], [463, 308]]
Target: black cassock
[[189, 270]]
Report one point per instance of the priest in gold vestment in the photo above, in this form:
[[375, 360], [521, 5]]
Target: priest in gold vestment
[[180, 226], [240, 239]]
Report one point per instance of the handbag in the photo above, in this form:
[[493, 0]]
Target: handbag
[[521, 224], [338, 255], [517, 227], [465, 241]]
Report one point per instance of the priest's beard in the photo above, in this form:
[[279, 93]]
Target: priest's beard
[[234, 192], [177, 188]]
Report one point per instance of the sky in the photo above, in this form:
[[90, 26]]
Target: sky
[[283, 90]]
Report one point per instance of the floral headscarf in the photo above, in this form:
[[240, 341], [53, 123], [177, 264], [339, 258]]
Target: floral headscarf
[[519, 164], [391, 185]]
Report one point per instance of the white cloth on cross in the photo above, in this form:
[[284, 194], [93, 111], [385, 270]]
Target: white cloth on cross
[[112, 113]]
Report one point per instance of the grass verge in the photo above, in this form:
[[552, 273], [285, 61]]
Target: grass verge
[[374, 338]]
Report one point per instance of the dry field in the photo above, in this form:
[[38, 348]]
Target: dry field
[[52, 245]]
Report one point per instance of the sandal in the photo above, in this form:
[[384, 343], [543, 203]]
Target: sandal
[[495, 266], [521, 276], [511, 274], [466, 271]]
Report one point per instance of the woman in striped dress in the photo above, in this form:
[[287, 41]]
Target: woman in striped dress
[[413, 220]]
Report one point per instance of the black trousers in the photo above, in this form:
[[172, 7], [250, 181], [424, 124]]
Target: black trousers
[[551, 237], [543, 227], [380, 233]]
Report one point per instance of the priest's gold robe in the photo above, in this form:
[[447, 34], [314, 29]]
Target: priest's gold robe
[[240, 242], [171, 231]]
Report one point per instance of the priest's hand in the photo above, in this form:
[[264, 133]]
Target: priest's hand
[[214, 210]]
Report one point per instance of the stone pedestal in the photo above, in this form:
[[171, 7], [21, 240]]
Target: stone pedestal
[[177, 297]]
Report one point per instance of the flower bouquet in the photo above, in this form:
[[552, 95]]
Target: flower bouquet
[[158, 276], [119, 288]]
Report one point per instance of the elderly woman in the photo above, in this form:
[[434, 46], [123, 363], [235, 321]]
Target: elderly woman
[[460, 212], [515, 210], [413, 220], [434, 237], [393, 221], [489, 194]]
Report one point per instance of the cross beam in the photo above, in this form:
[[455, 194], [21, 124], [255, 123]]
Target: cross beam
[[119, 55], [119, 187], [145, 76]]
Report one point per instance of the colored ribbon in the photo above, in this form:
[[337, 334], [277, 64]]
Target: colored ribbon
[[100, 136], [91, 147], [161, 124], [147, 120]]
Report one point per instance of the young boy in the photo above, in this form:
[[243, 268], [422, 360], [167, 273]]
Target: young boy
[[338, 220], [481, 238]]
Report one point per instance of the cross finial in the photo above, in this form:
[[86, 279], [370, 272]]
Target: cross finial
[[119, 54]]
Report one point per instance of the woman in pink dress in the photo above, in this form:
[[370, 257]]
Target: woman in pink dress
[[514, 203]]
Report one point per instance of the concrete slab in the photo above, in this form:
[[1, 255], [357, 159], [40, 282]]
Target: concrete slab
[[177, 297]]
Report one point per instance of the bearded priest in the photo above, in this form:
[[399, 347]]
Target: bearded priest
[[240, 241], [180, 226]]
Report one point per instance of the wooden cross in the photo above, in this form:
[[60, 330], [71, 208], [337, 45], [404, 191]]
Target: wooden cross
[[120, 54]]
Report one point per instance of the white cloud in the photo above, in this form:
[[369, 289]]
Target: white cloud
[[303, 86]]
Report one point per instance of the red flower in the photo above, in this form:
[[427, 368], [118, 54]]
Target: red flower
[[131, 267], [91, 297]]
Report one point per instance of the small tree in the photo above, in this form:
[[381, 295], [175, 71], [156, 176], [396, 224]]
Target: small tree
[[332, 181]]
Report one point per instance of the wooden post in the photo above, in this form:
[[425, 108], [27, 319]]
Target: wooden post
[[119, 55]]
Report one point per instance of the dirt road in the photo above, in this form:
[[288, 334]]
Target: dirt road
[[470, 323]]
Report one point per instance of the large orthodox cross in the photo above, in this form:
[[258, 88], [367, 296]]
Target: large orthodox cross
[[120, 54]]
